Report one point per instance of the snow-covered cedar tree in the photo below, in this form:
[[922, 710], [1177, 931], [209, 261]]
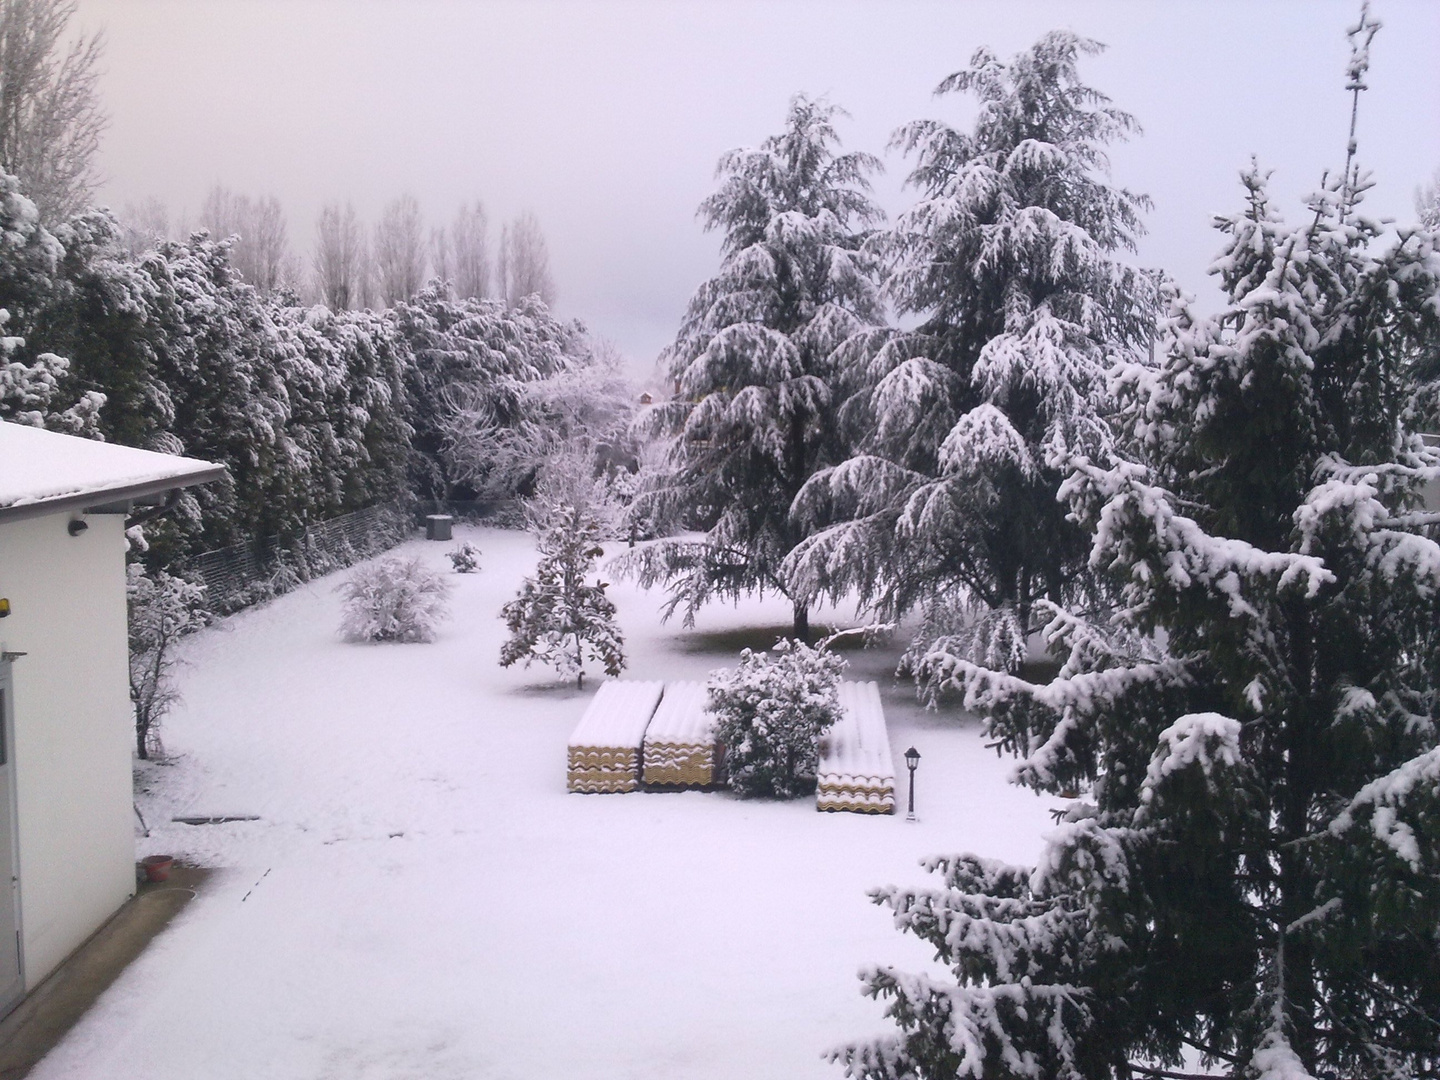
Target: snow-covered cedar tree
[[770, 713], [757, 363], [393, 599], [559, 618], [161, 609], [963, 426], [465, 559], [1251, 879]]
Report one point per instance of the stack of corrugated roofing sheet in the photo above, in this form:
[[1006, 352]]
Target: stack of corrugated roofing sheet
[[855, 770], [680, 746], [605, 750]]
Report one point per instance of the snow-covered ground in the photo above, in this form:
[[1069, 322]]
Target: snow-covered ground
[[420, 898]]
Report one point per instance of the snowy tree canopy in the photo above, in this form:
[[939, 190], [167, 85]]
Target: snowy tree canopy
[[475, 361], [758, 363], [964, 427], [1251, 875]]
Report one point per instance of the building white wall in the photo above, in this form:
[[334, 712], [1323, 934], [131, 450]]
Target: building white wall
[[73, 729]]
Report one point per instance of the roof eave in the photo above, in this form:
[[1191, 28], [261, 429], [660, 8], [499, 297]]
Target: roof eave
[[88, 501]]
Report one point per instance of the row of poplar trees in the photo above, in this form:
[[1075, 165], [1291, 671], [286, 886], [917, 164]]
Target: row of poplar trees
[[1216, 525]]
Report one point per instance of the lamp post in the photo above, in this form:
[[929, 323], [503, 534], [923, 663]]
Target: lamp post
[[912, 758]]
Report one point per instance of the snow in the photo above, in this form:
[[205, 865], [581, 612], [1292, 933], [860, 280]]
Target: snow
[[618, 715], [682, 717], [856, 771], [1386, 797], [422, 898], [39, 466], [1206, 739]]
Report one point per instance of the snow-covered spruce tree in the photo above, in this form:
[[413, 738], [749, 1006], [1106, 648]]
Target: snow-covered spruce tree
[[1253, 880], [770, 713], [162, 609], [393, 599], [964, 425], [756, 365], [559, 618]]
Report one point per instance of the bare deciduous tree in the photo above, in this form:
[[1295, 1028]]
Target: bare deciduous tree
[[525, 261], [143, 223], [470, 252], [261, 253], [440, 261], [399, 251], [461, 255], [50, 117], [340, 261]]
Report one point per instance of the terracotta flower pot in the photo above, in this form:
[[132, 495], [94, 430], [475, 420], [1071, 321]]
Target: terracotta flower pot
[[157, 867]]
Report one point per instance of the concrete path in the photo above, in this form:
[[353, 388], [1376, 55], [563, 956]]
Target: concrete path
[[54, 1007]]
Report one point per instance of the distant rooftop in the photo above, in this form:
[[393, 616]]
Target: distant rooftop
[[45, 471]]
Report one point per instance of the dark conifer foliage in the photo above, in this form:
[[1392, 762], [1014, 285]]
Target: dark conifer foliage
[[1251, 874], [963, 427]]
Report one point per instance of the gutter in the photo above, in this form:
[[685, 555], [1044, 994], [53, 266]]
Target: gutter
[[90, 502]]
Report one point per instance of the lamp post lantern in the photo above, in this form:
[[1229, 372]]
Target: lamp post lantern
[[912, 758]]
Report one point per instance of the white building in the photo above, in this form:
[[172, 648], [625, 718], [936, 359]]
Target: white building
[[66, 724]]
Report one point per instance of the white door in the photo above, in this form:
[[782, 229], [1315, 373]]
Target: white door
[[12, 984]]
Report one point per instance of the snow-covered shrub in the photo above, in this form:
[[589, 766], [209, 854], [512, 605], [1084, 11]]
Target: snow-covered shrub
[[393, 599], [771, 712], [465, 558], [161, 609]]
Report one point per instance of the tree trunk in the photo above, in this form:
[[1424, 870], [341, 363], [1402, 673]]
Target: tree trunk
[[801, 630], [140, 732]]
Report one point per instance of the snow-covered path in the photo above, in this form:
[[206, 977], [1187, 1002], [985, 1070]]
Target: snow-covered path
[[421, 898]]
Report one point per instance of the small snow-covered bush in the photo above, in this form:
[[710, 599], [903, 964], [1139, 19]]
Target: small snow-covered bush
[[465, 558], [393, 599], [771, 712]]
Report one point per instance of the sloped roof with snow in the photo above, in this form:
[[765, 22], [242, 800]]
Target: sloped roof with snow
[[45, 471]]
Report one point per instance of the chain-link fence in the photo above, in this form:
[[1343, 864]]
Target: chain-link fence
[[244, 574]]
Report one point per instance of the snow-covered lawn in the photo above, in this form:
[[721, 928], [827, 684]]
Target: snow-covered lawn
[[421, 898]]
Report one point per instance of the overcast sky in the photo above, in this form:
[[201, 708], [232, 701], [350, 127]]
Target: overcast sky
[[606, 118]]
